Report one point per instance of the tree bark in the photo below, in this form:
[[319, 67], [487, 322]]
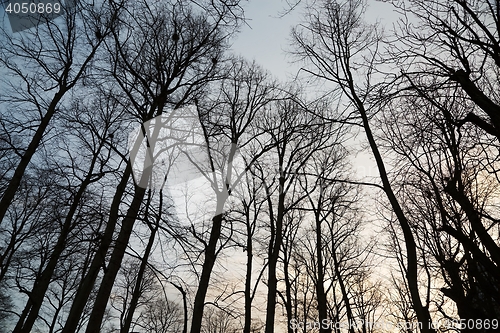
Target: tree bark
[[15, 182], [98, 261], [99, 309], [274, 250], [210, 254]]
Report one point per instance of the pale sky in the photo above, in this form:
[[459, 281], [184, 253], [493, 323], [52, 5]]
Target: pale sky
[[267, 36]]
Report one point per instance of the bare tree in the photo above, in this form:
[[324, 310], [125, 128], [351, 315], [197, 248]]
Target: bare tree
[[161, 55], [400, 305], [230, 126], [162, 316], [342, 49], [98, 159], [218, 321], [450, 215], [455, 82], [335, 260], [296, 134], [60, 55], [249, 211]]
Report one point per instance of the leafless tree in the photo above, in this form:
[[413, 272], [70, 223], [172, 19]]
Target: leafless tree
[[296, 134], [229, 121], [162, 316], [71, 227], [218, 321], [248, 212], [455, 83], [161, 55], [449, 217], [62, 56], [341, 49]]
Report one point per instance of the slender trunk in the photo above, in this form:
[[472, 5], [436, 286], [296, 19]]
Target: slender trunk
[[421, 311], [296, 303], [320, 288], [185, 306], [288, 292], [137, 288], [273, 259], [98, 261], [115, 262], [271, 296], [337, 312], [15, 182], [248, 280], [305, 314], [210, 256], [343, 290]]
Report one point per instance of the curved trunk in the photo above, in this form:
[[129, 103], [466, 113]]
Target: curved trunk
[[421, 311]]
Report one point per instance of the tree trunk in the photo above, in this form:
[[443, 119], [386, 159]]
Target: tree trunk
[[137, 288], [320, 288], [421, 311], [99, 309], [185, 306], [98, 261], [274, 250], [248, 280], [288, 292], [210, 254], [15, 182], [343, 290]]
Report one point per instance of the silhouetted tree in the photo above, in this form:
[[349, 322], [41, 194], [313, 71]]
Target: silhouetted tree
[[342, 49], [62, 56]]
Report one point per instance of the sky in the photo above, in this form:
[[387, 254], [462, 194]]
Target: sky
[[266, 37]]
